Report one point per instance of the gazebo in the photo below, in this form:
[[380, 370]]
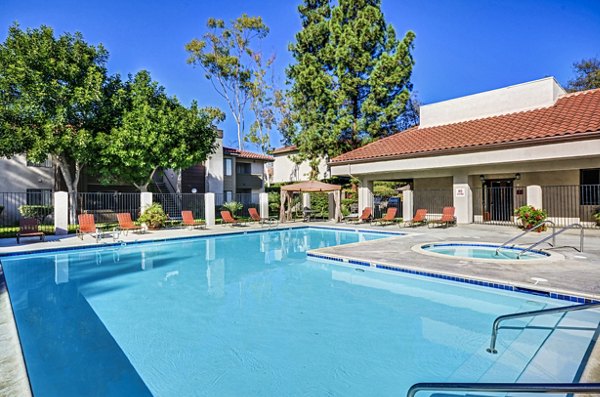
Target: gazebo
[[308, 187]]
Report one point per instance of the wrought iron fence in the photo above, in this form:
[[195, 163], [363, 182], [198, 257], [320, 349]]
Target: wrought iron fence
[[496, 205], [433, 200], [174, 203], [568, 204], [36, 204], [106, 205]]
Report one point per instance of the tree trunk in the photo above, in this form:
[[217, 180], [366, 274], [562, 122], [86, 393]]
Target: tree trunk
[[71, 182], [239, 135]]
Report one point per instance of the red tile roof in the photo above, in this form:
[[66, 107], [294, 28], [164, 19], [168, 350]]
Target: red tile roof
[[247, 155], [572, 116], [284, 149]]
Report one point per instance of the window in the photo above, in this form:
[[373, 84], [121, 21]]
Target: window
[[243, 168], [228, 167], [228, 195], [39, 197], [44, 164], [589, 181]]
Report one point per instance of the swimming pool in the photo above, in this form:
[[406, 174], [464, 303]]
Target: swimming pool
[[250, 315], [481, 251]]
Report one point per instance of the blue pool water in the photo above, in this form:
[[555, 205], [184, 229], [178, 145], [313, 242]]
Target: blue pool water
[[249, 315], [482, 251]]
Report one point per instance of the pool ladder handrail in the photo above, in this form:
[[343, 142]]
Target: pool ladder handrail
[[546, 222], [553, 237], [543, 388], [533, 313]]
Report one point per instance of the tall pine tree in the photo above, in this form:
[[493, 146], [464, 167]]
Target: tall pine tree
[[351, 80]]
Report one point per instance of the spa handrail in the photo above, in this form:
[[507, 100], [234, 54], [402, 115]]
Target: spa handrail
[[529, 231], [533, 313], [553, 237], [506, 387]]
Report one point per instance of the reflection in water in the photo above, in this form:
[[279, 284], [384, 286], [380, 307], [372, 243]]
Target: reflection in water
[[61, 268], [215, 276]]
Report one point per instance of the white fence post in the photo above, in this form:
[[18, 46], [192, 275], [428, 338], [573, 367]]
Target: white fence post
[[407, 205], [61, 213], [534, 196], [145, 200], [263, 199], [209, 209]]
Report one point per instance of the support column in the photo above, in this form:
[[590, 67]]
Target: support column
[[407, 204], [305, 200], [463, 199], [61, 213], [331, 207], [145, 200], [209, 209], [534, 196], [365, 195], [263, 206]]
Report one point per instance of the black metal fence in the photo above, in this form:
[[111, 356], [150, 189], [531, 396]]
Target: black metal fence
[[106, 205], [36, 204], [174, 203], [496, 205], [570, 204], [433, 200]]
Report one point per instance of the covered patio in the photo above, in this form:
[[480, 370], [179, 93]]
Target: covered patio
[[285, 211]]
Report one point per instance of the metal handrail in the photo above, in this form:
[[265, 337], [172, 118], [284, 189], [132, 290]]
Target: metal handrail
[[529, 231], [507, 387], [553, 236], [533, 313]]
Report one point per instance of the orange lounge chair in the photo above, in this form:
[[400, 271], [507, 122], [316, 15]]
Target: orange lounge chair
[[87, 226], [390, 217], [29, 227], [188, 220], [366, 216], [446, 219], [255, 217], [228, 219], [126, 224], [418, 219]]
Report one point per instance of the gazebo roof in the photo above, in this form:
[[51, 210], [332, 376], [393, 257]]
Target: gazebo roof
[[311, 186]]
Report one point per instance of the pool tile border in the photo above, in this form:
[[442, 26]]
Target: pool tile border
[[466, 280]]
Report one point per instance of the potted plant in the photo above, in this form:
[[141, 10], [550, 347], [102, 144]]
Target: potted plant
[[595, 215], [531, 216], [154, 217]]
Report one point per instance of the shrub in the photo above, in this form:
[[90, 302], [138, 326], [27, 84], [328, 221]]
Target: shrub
[[531, 216], [39, 212], [595, 215], [154, 216], [233, 206]]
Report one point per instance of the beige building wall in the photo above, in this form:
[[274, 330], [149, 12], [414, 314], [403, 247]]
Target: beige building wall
[[285, 170]]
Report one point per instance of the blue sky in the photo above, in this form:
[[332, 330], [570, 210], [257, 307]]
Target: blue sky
[[462, 47]]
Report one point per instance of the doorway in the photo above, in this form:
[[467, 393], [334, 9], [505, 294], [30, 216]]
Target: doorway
[[498, 200]]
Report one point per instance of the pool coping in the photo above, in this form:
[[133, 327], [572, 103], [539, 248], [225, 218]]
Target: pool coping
[[507, 285], [548, 258]]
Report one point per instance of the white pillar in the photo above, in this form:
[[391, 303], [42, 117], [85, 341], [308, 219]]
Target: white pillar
[[263, 206], [145, 200], [534, 196], [305, 200], [463, 199], [209, 209], [331, 206], [365, 195], [407, 204], [61, 213]]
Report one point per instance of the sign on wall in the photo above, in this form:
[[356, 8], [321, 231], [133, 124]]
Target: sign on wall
[[460, 192]]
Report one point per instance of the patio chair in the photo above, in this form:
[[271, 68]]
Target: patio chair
[[29, 227], [390, 217], [188, 220], [447, 218], [255, 217], [87, 225], [418, 219], [126, 224], [228, 219], [366, 216]]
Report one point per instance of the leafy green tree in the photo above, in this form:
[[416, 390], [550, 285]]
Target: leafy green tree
[[587, 75], [226, 54], [311, 96], [51, 92], [351, 77], [153, 132], [261, 104]]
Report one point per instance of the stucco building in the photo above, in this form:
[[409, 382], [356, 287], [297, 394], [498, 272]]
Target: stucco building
[[284, 169]]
